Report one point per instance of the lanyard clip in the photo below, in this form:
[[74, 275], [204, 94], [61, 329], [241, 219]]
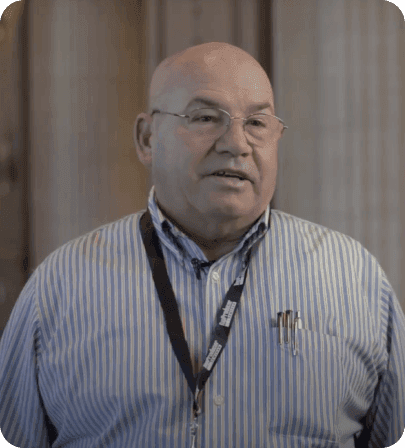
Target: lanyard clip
[[197, 408], [196, 412], [194, 427]]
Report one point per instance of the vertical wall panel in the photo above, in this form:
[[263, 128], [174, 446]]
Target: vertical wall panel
[[86, 77], [339, 74], [174, 25], [13, 273]]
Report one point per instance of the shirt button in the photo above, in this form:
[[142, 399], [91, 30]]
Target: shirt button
[[219, 400], [215, 276]]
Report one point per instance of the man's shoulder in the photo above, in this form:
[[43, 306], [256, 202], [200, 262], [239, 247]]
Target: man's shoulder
[[119, 233], [311, 232], [285, 219], [319, 242]]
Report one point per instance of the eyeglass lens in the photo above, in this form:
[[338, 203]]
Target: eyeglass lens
[[213, 122]]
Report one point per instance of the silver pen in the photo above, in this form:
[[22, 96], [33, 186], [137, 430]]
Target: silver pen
[[280, 325], [297, 326], [289, 322], [298, 319], [284, 325], [295, 336]]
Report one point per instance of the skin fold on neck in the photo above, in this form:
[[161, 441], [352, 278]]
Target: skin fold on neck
[[212, 248]]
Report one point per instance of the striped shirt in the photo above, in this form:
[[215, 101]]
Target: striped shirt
[[86, 360]]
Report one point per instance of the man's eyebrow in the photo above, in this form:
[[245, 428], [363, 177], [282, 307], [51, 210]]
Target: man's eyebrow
[[212, 103]]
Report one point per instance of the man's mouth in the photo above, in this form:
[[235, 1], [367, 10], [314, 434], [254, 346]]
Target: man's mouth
[[224, 174]]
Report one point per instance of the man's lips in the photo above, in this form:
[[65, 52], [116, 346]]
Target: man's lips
[[231, 173], [232, 183]]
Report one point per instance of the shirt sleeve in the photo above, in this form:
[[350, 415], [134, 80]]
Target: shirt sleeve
[[22, 415], [384, 423]]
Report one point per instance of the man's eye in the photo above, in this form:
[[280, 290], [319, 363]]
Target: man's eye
[[204, 119], [255, 122]]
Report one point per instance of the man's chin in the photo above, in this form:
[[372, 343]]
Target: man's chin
[[229, 209]]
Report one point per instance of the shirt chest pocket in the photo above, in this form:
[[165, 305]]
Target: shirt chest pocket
[[307, 388]]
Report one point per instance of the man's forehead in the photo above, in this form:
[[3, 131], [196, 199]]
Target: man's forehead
[[210, 102], [226, 70]]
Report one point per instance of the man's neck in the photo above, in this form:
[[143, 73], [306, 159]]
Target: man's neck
[[214, 246]]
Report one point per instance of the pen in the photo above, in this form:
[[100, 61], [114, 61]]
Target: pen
[[298, 319], [280, 324], [289, 322], [297, 326]]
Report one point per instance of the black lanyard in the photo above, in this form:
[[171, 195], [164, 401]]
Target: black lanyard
[[172, 316]]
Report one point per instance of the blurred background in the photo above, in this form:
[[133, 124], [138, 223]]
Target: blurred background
[[74, 75]]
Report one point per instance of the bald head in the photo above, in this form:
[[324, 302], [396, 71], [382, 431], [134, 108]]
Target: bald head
[[202, 64], [182, 157]]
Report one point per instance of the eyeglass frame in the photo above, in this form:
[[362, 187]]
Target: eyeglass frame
[[157, 111]]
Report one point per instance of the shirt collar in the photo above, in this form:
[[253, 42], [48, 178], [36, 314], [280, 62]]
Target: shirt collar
[[184, 247]]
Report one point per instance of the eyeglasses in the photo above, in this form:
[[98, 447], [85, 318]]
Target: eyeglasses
[[213, 123]]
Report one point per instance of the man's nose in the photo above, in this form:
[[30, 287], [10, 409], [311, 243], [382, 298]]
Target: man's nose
[[234, 138]]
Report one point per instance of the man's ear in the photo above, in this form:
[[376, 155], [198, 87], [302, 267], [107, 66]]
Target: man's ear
[[142, 135]]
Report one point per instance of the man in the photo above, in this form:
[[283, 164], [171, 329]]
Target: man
[[208, 320]]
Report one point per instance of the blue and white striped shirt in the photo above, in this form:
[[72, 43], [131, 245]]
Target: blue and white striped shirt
[[86, 350]]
